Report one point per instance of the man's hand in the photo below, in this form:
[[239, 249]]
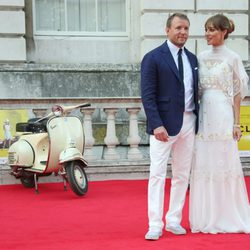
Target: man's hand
[[161, 134]]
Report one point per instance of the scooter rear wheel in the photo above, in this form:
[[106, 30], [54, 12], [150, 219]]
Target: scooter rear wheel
[[77, 177]]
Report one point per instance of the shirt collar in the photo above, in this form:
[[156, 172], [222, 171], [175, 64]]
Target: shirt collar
[[173, 48]]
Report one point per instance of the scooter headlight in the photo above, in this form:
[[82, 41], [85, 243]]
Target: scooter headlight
[[57, 110]]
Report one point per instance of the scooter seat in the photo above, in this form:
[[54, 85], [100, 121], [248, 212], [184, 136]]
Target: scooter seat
[[31, 127], [36, 127], [21, 127]]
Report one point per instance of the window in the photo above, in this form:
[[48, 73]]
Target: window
[[81, 17]]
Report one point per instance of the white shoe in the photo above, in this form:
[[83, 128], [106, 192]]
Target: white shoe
[[176, 229], [153, 235]]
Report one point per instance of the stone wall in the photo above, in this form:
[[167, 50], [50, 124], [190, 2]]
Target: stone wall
[[12, 31], [147, 18], [74, 80], [93, 67], [155, 13]]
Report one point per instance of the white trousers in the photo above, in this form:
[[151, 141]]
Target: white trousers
[[181, 148]]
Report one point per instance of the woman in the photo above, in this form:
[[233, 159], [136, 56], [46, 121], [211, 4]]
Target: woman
[[218, 196], [7, 134]]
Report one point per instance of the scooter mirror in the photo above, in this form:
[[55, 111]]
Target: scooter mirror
[[57, 110]]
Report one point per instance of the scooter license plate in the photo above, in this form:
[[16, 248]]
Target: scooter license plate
[[12, 158]]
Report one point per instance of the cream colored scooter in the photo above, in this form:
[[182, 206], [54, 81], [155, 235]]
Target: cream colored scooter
[[52, 144]]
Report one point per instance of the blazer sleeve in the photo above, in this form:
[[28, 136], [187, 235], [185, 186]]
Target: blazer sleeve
[[149, 86]]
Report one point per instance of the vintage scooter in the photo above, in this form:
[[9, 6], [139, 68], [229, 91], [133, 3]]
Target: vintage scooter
[[51, 144]]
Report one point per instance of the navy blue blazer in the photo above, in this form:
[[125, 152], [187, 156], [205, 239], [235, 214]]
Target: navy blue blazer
[[162, 91]]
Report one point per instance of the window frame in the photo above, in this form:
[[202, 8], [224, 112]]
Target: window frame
[[83, 33]]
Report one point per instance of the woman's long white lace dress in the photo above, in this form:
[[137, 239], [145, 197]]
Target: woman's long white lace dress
[[218, 196]]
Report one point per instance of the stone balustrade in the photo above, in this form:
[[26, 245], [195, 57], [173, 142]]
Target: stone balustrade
[[111, 141], [107, 113], [116, 144]]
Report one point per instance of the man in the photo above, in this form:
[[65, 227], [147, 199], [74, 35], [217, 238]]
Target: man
[[169, 83]]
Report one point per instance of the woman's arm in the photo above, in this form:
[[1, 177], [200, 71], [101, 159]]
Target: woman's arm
[[236, 126]]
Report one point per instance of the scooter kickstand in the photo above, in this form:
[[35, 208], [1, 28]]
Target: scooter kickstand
[[64, 184], [36, 186]]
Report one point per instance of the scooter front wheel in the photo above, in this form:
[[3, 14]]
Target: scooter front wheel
[[77, 177]]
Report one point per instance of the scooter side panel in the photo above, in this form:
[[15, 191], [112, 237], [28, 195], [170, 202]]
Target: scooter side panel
[[31, 150], [21, 154], [64, 132]]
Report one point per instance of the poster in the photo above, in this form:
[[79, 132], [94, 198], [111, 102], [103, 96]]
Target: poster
[[8, 120], [244, 143]]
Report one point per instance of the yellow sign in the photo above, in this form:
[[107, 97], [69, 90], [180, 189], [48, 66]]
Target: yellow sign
[[244, 143], [8, 120]]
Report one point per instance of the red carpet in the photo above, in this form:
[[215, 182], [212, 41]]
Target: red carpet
[[113, 215]]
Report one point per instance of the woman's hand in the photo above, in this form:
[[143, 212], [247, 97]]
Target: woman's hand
[[237, 133]]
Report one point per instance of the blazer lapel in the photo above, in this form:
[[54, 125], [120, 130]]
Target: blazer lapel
[[170, 60]]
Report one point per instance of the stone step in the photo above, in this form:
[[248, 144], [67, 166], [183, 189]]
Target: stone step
[[106, 171]]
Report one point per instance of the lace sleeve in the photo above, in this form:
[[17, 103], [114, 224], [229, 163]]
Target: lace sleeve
[[240, 78]]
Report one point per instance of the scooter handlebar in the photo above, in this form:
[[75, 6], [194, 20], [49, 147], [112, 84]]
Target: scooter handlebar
[[69, 108], [65, 109]]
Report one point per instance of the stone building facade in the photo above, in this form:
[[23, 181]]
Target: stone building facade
[[37, 63], [40, 65]]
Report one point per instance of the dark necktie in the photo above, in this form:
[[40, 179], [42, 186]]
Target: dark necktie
[[180, 64]]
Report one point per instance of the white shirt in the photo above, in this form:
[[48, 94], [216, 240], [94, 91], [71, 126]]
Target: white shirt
[[188, 76]]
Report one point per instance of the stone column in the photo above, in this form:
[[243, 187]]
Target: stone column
[[111, 139], [88, 132], [134, 138]]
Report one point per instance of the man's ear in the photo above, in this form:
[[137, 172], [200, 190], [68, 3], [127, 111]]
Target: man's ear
[[166, 30]]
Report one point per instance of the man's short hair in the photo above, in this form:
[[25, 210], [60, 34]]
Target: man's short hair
[[180, 15]]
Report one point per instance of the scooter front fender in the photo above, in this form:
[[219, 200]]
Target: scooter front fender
[[71, 154]]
